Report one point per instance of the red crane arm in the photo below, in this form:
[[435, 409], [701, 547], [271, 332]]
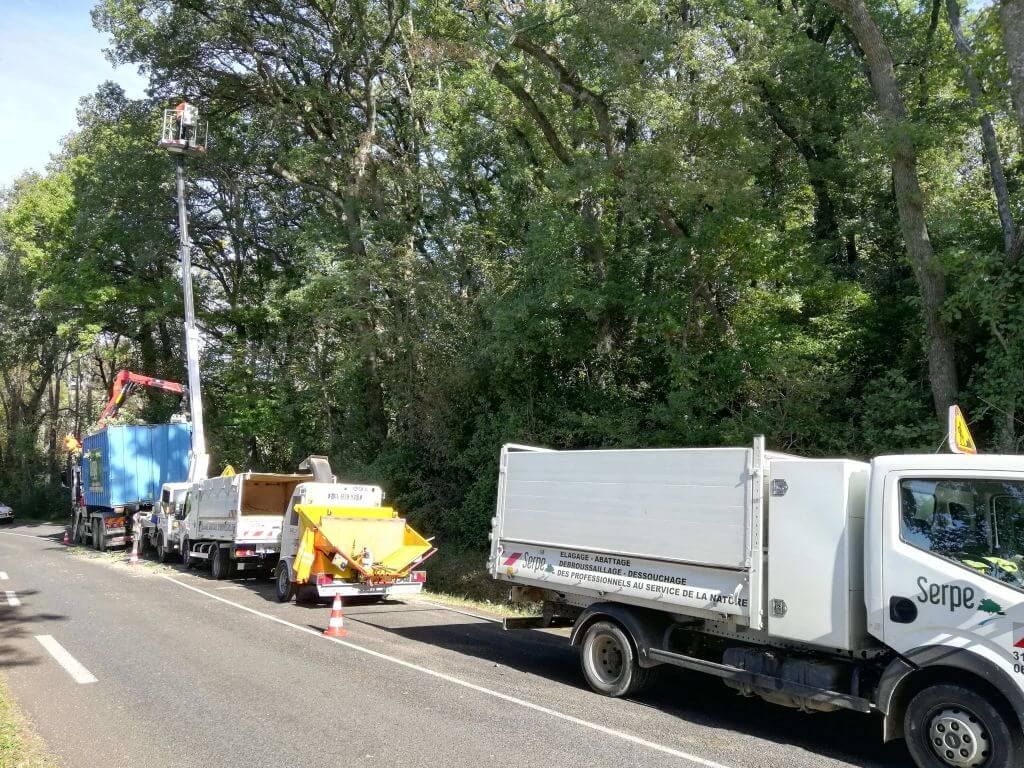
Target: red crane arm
[[125, 383]]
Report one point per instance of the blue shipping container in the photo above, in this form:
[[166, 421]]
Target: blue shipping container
[[124, 466]]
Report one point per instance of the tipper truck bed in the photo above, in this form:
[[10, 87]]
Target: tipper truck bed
[[234, 521], [895, 586]]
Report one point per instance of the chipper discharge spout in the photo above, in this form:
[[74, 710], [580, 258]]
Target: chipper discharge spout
[[369, 547]]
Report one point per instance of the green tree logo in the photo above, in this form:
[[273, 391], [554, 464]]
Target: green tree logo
[[991, 606]]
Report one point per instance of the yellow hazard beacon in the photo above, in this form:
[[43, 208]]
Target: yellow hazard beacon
[[960, 439]]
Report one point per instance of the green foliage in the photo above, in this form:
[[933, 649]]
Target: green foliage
[[426, 229]]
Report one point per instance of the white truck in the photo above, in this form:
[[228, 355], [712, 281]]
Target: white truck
[[893, 587], [160, 529], [234, 521]]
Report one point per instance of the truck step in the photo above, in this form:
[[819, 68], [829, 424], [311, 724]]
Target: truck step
[[535, 622]]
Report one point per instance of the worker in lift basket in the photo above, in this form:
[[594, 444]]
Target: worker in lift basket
[[184, 122]]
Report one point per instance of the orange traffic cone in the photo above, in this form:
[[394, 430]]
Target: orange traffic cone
[[67, 538], [336, 625]]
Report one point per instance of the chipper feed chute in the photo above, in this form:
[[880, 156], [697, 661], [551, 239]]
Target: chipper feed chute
[[370, 544]]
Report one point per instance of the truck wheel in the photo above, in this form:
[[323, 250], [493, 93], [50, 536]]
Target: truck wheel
[[284, 587], [185, 550], [609, 661], [161, 550], [949, 726], [219, 564]]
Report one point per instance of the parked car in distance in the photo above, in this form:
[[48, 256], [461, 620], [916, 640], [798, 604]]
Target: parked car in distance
[[6, 513]]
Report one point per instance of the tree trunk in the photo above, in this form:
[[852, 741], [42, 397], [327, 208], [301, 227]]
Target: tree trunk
[[988, 131], [909, 201], [1011, 18]]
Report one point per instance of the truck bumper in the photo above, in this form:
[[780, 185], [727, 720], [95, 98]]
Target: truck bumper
[[250, 565], [345, 589]]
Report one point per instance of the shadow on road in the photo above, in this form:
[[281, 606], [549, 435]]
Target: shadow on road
[[687, 696], [16, 624]]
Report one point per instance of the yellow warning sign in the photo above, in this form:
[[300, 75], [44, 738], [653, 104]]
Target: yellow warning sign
[[960, 440], [229, 471]]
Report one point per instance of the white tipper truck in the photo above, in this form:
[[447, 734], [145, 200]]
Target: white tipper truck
[[234, 521], [893, 587]]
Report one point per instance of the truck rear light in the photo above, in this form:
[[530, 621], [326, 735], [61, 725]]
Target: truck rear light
[[323, 579], [245, 553], [114, 522], [418, 577]]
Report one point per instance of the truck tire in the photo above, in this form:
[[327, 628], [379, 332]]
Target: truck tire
[[609, 661], [220, 565], [185, 549], [161, 550], [950, 726], [284, 587]]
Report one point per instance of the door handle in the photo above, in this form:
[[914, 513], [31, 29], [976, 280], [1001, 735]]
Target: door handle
[[902, 610]]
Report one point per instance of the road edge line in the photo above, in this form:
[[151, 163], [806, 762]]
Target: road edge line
[[463, 683], [71, 665]]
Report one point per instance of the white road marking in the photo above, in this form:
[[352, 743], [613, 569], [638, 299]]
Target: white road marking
[[3, 575], [464, 683], [12, 599], [25, 535], [71, 665]]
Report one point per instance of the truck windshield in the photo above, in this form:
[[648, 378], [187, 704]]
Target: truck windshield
[[975, 523]]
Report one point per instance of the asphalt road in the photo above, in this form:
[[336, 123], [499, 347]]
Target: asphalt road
[[193, 671]]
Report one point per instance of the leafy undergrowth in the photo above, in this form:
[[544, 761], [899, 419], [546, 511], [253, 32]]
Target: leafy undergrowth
[[463, 573], [459, 578], [19, 746]]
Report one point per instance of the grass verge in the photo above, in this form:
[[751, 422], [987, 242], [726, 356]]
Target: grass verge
[[19, 745], [495, 609]]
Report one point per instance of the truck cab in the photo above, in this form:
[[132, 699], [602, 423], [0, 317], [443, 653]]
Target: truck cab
[[161, 529], [944, 578]]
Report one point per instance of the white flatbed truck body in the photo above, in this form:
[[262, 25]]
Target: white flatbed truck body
[[894, 587]]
